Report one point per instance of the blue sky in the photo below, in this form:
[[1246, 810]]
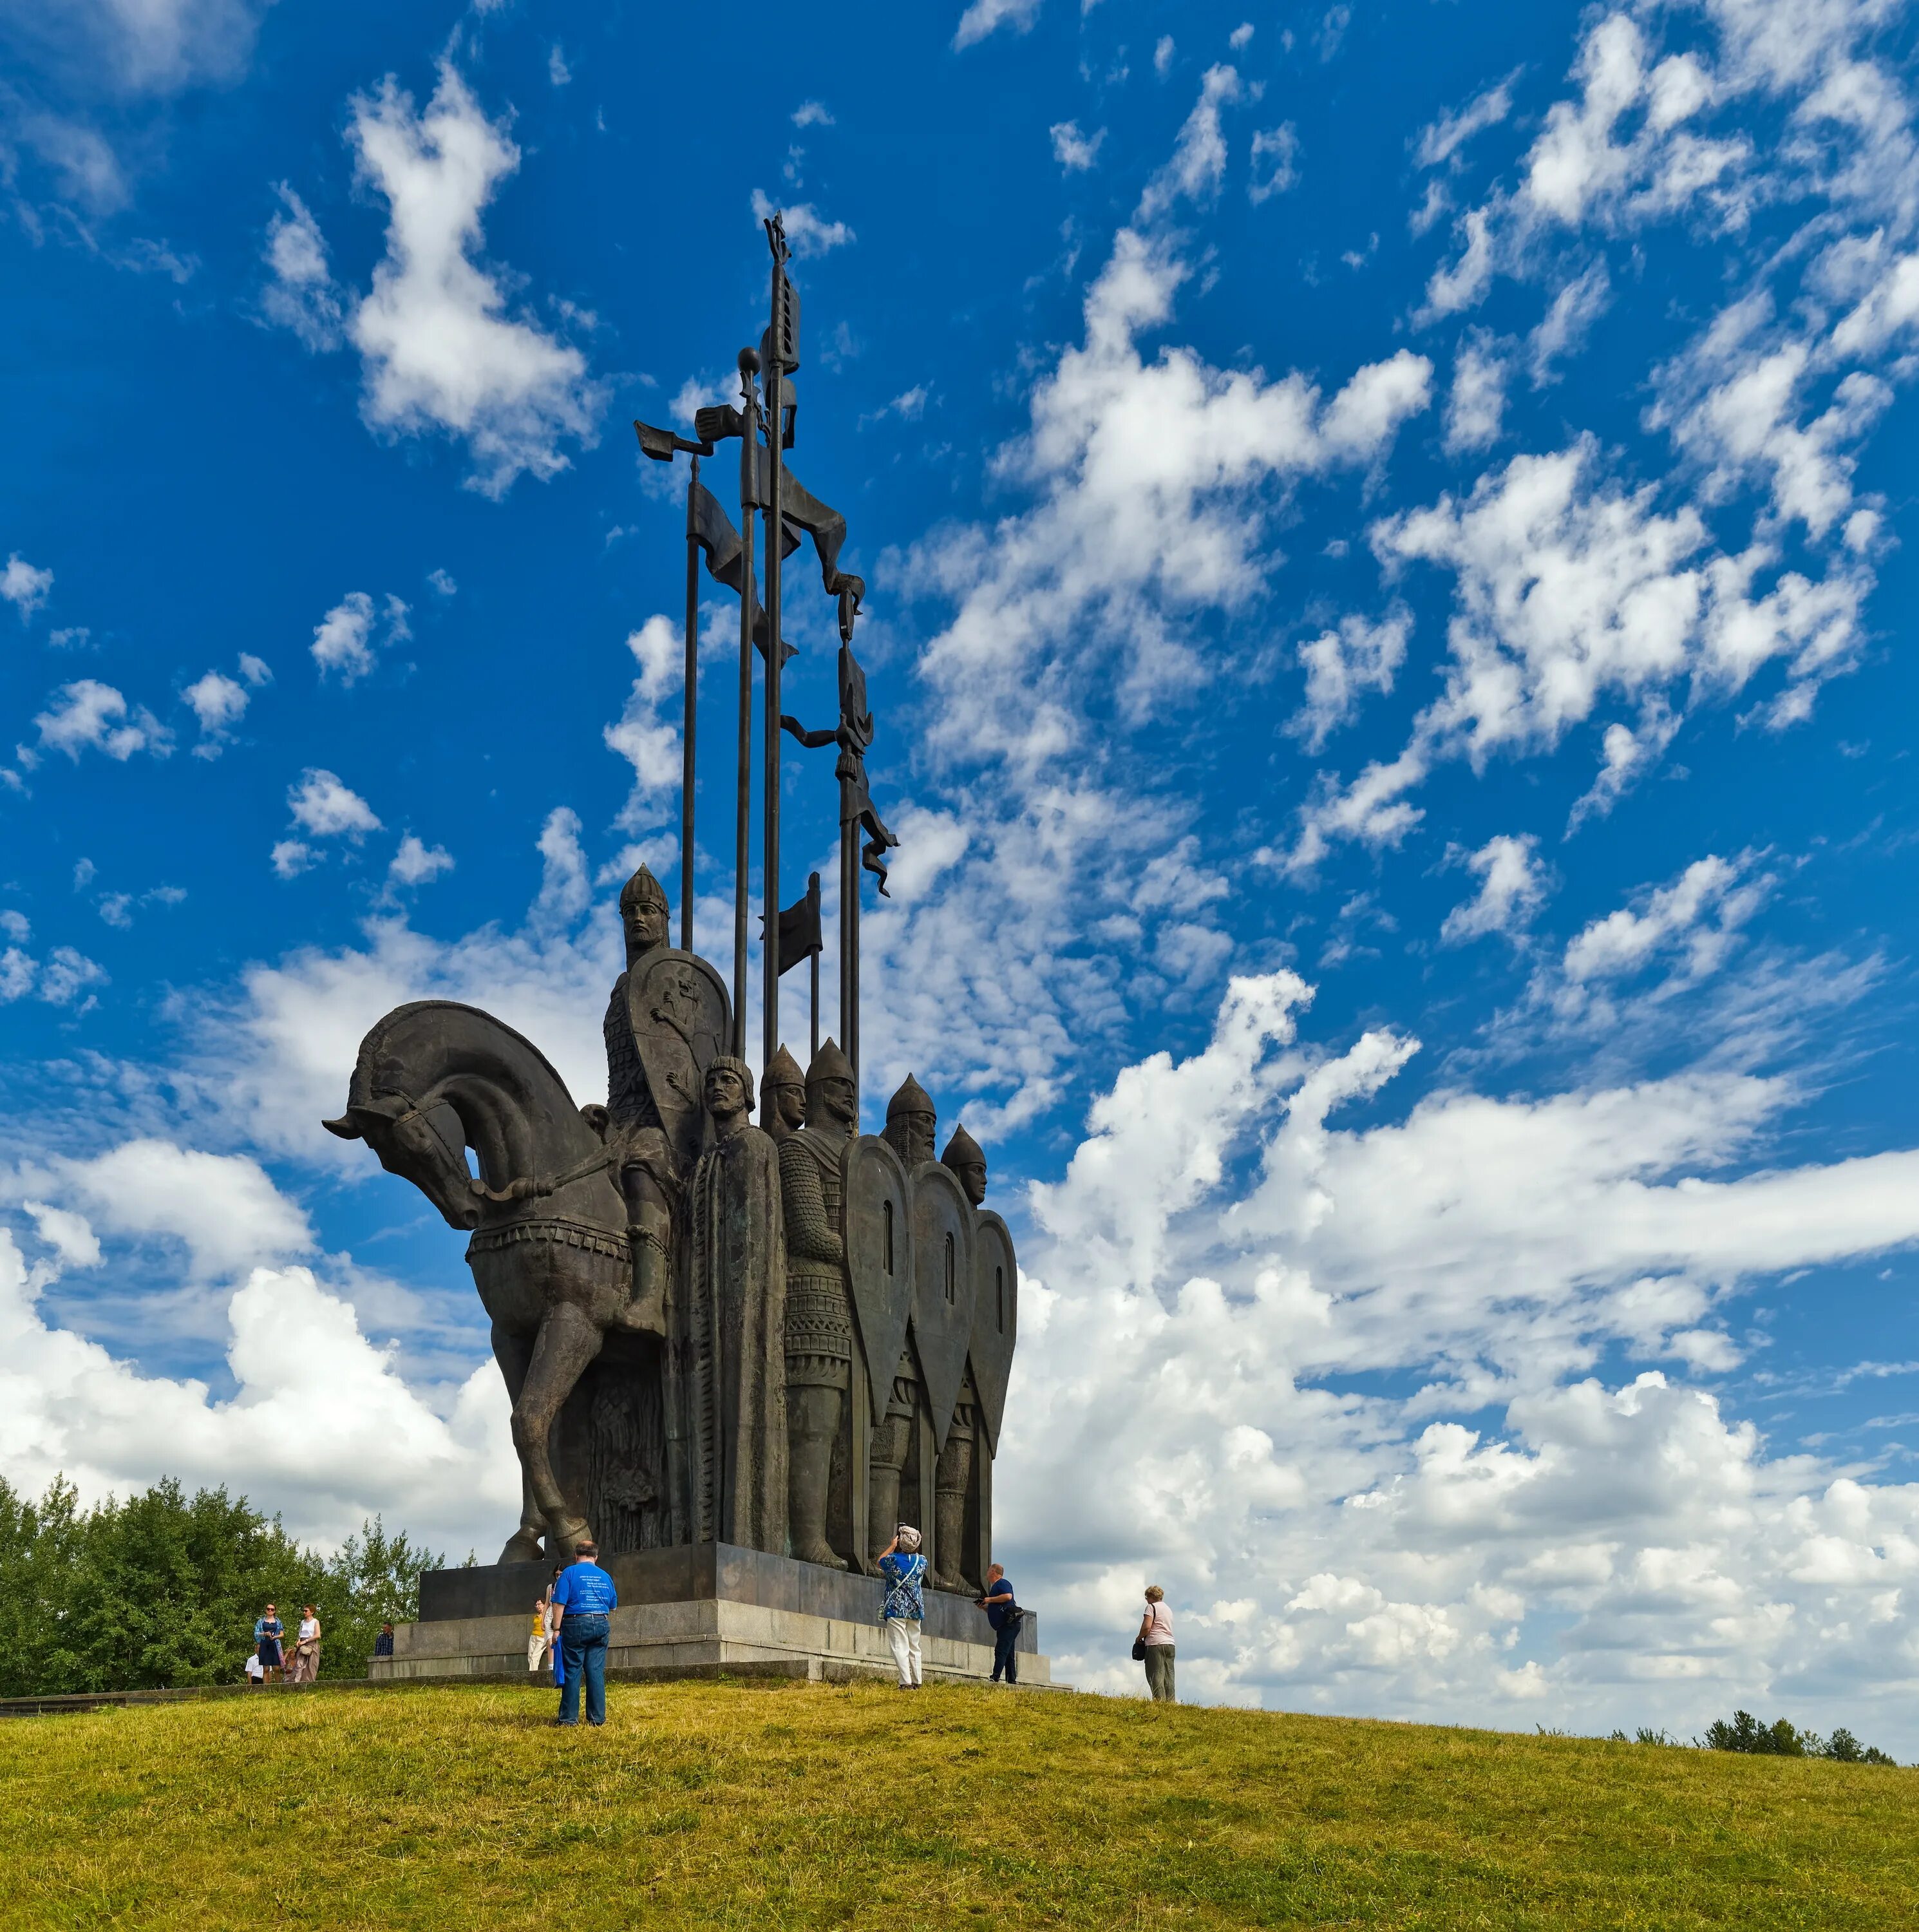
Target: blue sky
[[1388, 533]]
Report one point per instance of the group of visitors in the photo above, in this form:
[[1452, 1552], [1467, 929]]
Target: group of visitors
[[274, 1660]]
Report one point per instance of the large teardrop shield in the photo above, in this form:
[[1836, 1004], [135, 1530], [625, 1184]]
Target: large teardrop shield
[[942, 1287], [995, 1318], [677, 1004], [878, 1229]]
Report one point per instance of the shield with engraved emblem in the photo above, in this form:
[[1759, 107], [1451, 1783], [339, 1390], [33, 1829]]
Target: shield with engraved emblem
[[677, 1005], [942, 1286], [995, 1318], [878, 1258]]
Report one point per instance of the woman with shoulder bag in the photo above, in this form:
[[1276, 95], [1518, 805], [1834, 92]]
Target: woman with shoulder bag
[[1153, 1646]]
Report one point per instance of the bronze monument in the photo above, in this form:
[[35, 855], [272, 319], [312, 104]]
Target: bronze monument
[[783, 1337]]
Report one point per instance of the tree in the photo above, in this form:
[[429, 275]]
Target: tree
[[161, 1589]]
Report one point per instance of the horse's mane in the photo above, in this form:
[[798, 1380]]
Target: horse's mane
[[373, 1046]]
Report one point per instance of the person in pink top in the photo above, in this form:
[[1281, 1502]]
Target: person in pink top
[[1155, 1645]]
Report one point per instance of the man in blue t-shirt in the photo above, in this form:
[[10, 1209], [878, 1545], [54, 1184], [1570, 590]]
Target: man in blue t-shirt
[[584, 1601], [1002, 1614]]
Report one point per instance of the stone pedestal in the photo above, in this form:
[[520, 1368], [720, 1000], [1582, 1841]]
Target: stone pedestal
[[702, 1610]]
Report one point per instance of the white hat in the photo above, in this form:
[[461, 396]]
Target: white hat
[[909, 1536]]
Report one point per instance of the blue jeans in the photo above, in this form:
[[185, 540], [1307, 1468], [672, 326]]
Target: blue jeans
[[1005, 1656], [583, 1646]]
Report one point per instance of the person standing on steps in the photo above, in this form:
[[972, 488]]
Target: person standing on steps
[[1003, 1615], [584, 1600], [903, 1570], [305, 1667], [1154, 1645]]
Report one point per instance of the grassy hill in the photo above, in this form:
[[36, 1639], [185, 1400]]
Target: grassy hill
[[717, 1805]]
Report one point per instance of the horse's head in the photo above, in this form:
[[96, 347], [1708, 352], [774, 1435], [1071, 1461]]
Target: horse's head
[[426, 1145]]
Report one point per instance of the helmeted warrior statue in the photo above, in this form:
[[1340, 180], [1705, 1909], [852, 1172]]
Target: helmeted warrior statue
[[732, 1423], [666, 1022], [910, 1123], [965, 1157], [953, 1476], [818, 1322], [783, 1097]]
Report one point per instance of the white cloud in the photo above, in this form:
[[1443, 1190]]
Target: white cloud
[[157, 46], [24, 586], [59, 981], [1563, 331], [1477, 403], [219, 703], [812, 114], [343, 638], [558, 72], [324, 807], [293, 856], [1343, 664], [416, 863], [1332, 30], [321, 1419], [1438, 144], [983, 17], [807, 229], [1162, 55], [1198, 163], [1241, 36], [1513, 887], [302, 295], [648, 740], [1336, 1549], [440, 350], [443, 583], [1074, 151], [1275, 151], [89, 713]]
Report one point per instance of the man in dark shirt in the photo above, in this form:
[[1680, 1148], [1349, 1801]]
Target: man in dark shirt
[[1001, 1614], [584, 1601], [383, 1643]]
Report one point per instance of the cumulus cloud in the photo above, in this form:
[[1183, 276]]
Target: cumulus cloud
[[1342, 664], [343, 642], [326, 808], [416, 863], [61, 979], [321, 1422], [1275, 153], [807, 229], [441, 351], [24, 586], [302, 295], [1476, 404], [647, 738], [1074, 152], [1513, 887], [1198, 162], [1396, 1553], [87, 714], [812, 114], [983, 17], [1439, 142]]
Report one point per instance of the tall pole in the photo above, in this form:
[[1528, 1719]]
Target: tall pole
[[775, 382], [749, 493], [813, 894], [849, 939], [692, 708]]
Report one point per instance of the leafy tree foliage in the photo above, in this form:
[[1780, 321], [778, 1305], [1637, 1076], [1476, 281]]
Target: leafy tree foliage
[[162, 1589], [1780, 1738]]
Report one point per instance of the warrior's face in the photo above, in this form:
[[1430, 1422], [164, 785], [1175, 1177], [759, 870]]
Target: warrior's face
[[789, 1105], [831, 1100], [727, 1099], [645, 923], [971, 1175], [915, 1129]]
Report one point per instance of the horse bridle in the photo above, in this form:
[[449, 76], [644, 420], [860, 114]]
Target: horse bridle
[[524, 1187]]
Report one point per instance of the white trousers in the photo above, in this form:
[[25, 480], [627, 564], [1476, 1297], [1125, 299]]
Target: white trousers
[[903, 1634], [536, 1649]]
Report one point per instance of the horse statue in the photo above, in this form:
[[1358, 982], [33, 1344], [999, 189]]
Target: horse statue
[[550, 1251]]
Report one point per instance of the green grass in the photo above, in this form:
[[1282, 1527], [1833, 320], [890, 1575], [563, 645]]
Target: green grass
[[719, 1805]]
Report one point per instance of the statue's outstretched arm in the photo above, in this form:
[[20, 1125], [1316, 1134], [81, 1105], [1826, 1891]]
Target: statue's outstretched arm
[[812, 740]]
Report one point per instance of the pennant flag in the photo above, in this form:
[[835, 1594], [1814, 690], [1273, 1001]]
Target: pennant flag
[[711, 529], [800, 928]]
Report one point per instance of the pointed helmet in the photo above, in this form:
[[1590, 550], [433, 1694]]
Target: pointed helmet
[[784, 1071], [829, 1063], [643, 888], [962, 1150], [911, 1098]]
